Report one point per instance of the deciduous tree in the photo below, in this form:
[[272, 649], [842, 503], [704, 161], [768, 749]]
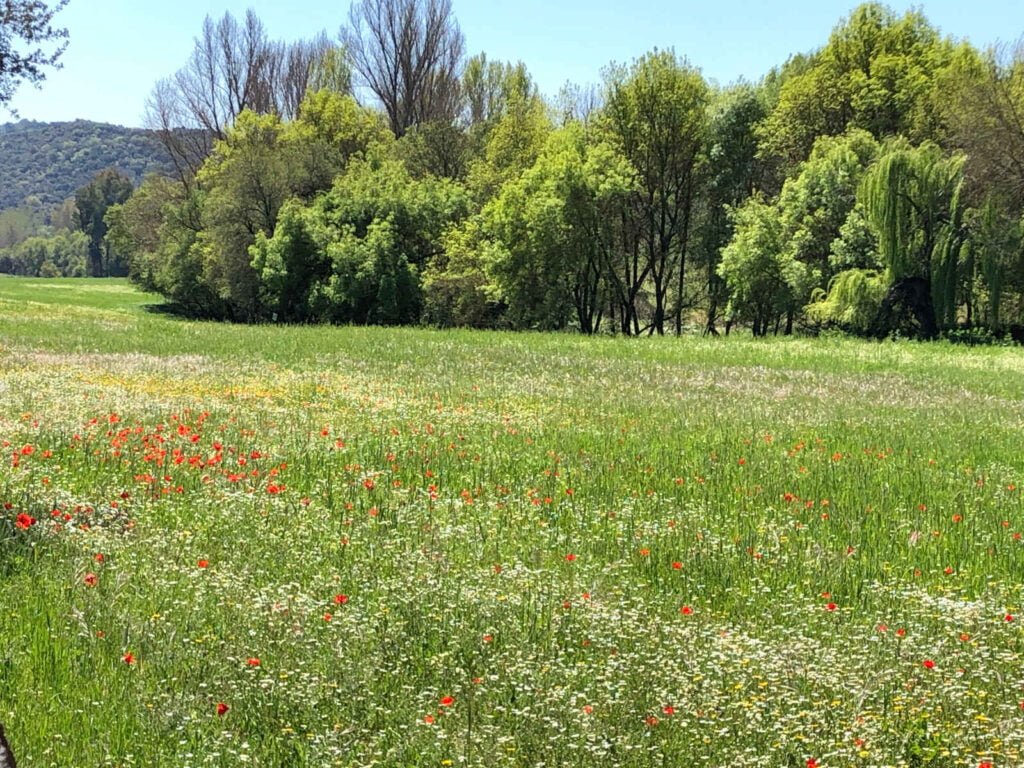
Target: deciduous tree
[[26, 26], [108, 188], [656, 116], [408, 53]]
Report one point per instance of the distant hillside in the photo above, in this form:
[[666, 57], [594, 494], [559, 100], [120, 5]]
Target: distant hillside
[[52, 160]]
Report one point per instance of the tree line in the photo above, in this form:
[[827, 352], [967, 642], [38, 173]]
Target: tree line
[[875, 185], [66, 240]]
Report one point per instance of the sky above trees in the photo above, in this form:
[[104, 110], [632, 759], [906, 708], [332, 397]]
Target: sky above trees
[[120, 48]]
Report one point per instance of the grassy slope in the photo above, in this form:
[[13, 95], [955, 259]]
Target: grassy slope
[[773, 472]]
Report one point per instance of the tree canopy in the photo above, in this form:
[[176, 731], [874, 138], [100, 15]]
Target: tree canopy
[[872, 185]]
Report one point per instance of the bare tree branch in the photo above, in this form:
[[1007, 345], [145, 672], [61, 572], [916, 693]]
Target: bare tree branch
[[408, 53]]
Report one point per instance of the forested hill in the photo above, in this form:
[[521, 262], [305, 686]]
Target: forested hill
[[52, 160]]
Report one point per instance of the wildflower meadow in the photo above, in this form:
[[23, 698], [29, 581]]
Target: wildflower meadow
[[294, 546]]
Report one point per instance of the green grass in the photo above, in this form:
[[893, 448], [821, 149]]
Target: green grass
[[516, 522]]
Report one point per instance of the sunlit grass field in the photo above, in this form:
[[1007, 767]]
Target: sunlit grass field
[[229, 545]]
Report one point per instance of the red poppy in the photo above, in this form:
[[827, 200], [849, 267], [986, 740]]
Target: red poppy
[[222, 709], [253, 661], [128, 658], [652, 720], [686, 610], [668, 710], [677, 566], [928, 664], [831, 607], [203, 564], [1008, 617], [428, 719], [447, 701], [570, 557], [340, 599], [90, 579], [812, 763], [99, 557], [24, 521], [587, 709]]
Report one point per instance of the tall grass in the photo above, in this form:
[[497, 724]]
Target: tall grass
[[362, 547]]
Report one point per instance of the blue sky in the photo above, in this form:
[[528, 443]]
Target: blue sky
[[119, 48]]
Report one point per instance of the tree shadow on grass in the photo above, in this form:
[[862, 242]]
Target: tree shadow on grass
[[177, 310]]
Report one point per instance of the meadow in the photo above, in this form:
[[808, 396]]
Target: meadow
[[291, 546]]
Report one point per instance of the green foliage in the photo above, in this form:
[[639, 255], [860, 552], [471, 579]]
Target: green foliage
[[879, 72], [814, 216], [51, 160], [852, 302], [62, 255], [455, 286], [108, 188], [984, 106], [355, 254], [816, 204], [331, 71], [158, 229], [656, 117], [21, 223], [997, 253], [288, 264], [550, 255], [658, 198], [261, 164], [435, 149], [912, 198], [512, 145], [764, 279], [245, 182], [734, 172], [857, 244], [542, 252], [331, 129]]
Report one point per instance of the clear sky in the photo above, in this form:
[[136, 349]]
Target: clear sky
[[119, 48]]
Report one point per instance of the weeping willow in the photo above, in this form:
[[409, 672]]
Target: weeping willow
[[912, 198], [996, 243], [852, 301]]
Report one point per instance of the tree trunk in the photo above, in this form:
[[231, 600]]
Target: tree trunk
[[684, 247], [908, 310], [95, 261]]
